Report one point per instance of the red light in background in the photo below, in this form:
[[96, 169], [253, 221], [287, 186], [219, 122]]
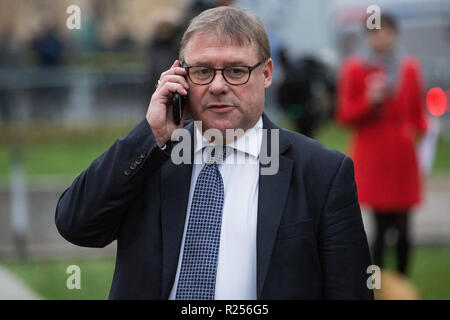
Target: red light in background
[[436, 101]]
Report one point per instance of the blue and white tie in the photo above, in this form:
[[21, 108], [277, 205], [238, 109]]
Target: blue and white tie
[[197, 280]]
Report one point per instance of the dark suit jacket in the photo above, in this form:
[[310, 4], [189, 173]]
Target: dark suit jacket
[[311, 242]]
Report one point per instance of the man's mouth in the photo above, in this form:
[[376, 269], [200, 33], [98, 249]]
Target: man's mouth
[[220, 107]]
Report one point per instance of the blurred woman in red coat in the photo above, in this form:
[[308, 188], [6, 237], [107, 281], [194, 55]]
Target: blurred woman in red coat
[[380, 97]]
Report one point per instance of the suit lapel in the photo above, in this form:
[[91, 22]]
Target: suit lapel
[[175, 185], [273, 190]]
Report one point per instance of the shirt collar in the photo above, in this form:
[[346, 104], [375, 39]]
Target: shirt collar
[[249, 143]]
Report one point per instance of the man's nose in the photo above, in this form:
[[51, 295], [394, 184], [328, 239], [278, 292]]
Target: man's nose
[[218, 85]]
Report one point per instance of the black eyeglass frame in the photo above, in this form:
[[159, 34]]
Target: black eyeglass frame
[[222, 70]]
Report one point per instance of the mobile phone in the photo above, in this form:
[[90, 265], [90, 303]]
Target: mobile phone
[[178, 102]]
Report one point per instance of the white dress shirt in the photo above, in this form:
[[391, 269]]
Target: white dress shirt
[[236, 265]]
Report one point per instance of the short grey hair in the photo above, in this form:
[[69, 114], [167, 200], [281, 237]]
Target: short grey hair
[[231, 25]]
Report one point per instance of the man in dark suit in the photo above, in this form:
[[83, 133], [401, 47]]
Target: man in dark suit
[[216, 230]]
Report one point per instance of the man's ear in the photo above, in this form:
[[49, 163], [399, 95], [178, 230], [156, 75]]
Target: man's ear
[[268, 70]]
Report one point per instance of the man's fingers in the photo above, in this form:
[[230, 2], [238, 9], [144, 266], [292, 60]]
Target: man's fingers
[[174, 78], [173, 87], [175, 69]]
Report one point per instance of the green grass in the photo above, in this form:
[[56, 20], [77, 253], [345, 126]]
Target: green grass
[[334, 137], [52, 150], [430, 266], [4, 160], [442, 160], [62, 158], [429, 270], [48, 278]]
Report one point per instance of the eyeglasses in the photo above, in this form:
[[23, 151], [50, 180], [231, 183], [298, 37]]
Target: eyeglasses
[[235, 76]]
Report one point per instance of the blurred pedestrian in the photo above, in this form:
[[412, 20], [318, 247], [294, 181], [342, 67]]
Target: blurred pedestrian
[[194, 9], [49, 50], [380, 97], [9, 60], [306, 92], [162, 51], [48, 46]]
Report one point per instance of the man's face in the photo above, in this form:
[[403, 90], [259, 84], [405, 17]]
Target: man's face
[[220, 105]]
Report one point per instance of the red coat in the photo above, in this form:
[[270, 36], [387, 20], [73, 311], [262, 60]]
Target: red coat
[[382, 147]]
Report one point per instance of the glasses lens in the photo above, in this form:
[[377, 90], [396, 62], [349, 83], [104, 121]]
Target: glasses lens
[[201, 75], [236, 75]]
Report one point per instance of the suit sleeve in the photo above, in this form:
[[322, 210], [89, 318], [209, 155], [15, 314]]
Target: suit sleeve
[[343, 244], [353, 106], [90, 211]]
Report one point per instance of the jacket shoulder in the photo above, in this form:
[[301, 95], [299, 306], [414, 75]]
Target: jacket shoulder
[[321, 172]]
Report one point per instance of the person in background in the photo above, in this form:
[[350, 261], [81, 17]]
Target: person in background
[[9, 59], [380, 98], [48, 46], [306, 93], [162, 51], [49, 50]]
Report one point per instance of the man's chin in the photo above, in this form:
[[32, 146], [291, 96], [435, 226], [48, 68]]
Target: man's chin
[[213, 127]]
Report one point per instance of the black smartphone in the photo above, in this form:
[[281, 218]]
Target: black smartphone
[[178, 102]]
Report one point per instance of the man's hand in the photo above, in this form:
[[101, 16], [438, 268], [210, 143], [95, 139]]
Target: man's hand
[[160, 113]]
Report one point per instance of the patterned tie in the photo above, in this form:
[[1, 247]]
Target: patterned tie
[[197, 279]]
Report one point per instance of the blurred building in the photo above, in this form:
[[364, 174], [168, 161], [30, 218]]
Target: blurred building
[[77, 75], [116, 19], [324, 29]]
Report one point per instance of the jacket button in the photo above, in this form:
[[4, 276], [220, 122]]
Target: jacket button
[[142, 155], [127, 172], [133, 166]]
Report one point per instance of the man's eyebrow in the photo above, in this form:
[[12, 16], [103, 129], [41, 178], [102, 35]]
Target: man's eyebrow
[[226, 64]]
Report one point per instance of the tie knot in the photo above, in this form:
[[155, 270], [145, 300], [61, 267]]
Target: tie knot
[[216, 154]]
